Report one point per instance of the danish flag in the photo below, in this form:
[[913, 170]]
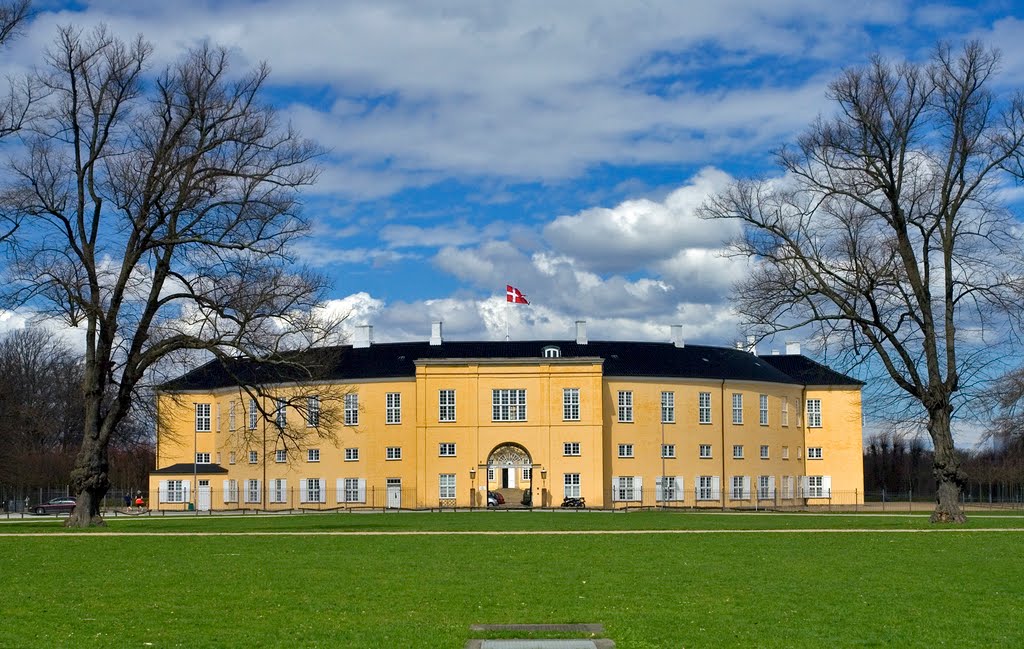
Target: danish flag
[[513, 295]]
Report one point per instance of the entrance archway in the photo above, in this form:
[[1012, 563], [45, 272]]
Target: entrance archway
[[510, 473]]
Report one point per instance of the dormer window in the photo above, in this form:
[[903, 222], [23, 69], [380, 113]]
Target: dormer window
[[552, 352]]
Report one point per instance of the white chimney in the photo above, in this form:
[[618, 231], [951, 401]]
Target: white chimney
[[676, 335], [581, 332], [752, 345], [793, 348], [364, 336], [435, 333]]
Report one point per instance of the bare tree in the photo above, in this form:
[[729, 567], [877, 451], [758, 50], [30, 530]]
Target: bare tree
[[888, 236], [158, 213]]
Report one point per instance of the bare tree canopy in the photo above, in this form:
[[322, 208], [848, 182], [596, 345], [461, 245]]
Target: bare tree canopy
[[157, 214], [887, 235]]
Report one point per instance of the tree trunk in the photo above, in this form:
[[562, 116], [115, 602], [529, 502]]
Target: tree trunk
[[90, 479], [948, 477]]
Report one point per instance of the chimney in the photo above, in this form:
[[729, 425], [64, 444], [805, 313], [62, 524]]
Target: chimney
[[751, 345], [775, 352], [364, 337], [793, 348], [581, 332], [676, 335], [435, 333]]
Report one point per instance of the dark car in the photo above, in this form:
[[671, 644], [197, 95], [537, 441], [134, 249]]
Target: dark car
[[55, 506], [494, 499]]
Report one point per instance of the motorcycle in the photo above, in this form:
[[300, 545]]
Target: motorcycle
[[574, 502]]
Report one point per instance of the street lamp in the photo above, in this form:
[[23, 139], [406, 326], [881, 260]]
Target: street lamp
[[472, 478]]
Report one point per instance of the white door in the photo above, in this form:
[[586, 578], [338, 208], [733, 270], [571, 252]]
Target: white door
[[510, 477], [394, 493], [203, 496]]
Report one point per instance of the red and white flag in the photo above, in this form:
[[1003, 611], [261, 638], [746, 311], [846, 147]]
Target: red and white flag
[[514, 295]]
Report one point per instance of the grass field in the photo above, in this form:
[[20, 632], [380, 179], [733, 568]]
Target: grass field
[[286, 584]]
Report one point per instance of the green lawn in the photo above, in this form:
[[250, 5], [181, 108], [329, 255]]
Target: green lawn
[[658, 590]]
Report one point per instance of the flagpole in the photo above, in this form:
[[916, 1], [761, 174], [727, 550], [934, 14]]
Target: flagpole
[[506, 320]]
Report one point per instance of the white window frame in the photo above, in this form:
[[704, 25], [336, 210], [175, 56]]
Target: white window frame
[[765, 451], [254, 457], [231, 457], [527, 473], [570, 404], [393, 408], [625, 406], [668, 407], [446, 449], [627, 488], [737, 451], [313, 411], [446, 486], [280, 456], [312, 455], [551, 352], [785, 411], [762, 417], [571, 485], [202, 458], [231, 491], [176, 491], [280, 413], [352, 409], [737, 408], [314, 491], [393, 453], [253, 493], [785, 452], [353, 490], [626, 450], [814, 453], [446, 405], [668, 451], [704, 408], [203, 418], [814, 413], [232, 419], [508, 404], [352, 454], [708, 487], [765, 487], [816, 486], [669, 488], [278, 491], [739, 488], [571, 449], [704, 451], [254, 414]]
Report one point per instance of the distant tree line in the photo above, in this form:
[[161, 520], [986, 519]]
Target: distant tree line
[[41, 427]]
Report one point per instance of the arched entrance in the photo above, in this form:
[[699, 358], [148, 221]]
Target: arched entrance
[[510, 473]]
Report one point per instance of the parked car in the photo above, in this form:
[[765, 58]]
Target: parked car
[[55, 506], [494, 499]]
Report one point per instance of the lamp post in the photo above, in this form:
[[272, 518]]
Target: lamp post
[[472, 495], [544, 485]]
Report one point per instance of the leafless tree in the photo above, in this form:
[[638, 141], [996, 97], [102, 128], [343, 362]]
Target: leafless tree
[[887, 233], [157, 217]]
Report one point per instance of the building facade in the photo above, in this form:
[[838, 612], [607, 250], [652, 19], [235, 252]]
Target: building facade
[[442, 424]]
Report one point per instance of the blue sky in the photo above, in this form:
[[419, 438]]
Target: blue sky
[[559, 147]]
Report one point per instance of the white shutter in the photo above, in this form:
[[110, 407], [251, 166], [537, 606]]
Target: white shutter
[[638, 489], [679, 493], [227, 491], [362, 491], [615, 489], [826, 486], [339, 487], [746, 487], [716, 487], [259, 492], [771, 487], [805, 486], [185, 485], [218, 417], [323, 490], [658, 493], [163, 491], [302, 491]]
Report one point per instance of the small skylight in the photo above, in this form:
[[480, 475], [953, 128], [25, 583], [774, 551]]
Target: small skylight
[[552, 352]]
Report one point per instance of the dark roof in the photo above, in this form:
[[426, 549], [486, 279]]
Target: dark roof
[[809, 372], [398, 360], [189, 469]]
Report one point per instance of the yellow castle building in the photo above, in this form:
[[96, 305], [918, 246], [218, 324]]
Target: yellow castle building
[[530, 423]]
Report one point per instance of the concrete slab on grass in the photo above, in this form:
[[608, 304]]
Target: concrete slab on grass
[[540, 628], [540, 644]]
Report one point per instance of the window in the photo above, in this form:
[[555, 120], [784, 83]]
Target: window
[[281, 413], [313, 411], [815, 485], [765, 487], [764, 452], [814, 413], [572, 485], [668, 450], [278, 490], [625, 406], [254, 412], [813, 452], [393, 453], [737, 408], [175, 491], [763, 411], [351, 491], [527, 474], [231, 491], [707, 487], [625, 450], [571, 404], [798, 411], [203, 417], [668, 407], [740, 487], [446, 405], [446, 449], [352, 409], [490, 474], [314, 492], [508, 405], [231, 426], [252, 491], [737, 451], [571, 449], [785, 411], [351, 454], [254, 457], [231, 457], [787, 486], [799, 452], [785, 452], [668, 488], [202, 458], [552, 352], [313, 455], [704, 407], [626, 487], [281, 455], [393, 408], [218, 457], [446, 486], [705, 451]]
